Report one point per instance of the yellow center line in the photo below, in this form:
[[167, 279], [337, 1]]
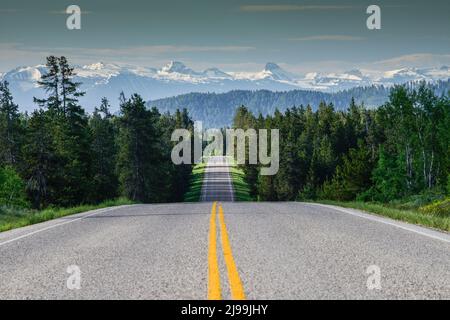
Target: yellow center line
[[237, 290], [214, 292]]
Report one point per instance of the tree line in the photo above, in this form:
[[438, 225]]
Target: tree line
[[61, 156], [397, 150], [217, 109]]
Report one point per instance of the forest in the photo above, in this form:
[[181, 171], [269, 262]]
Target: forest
[[217, 109], [60, 156], [396, 151]]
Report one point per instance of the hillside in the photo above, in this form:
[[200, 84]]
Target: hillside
[[217, 109]]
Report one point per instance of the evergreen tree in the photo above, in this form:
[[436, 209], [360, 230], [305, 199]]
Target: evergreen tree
[[50, 82], [69, 131], [180, 173], [138, 154], [104, 153], [69, 90], [352, 177], [40, 158], [10, 128]]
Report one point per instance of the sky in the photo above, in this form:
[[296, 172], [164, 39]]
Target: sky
[[301, 36]]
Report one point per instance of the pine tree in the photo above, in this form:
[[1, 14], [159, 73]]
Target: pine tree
[[69, 90], [388, 178], [50, 82], [40, 158], [69, 131], [138, 154], [104, 153], [73, 143], [180, 173], [352, 177], [11, 131]]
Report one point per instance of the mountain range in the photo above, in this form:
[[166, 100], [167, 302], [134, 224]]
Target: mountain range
[[108, 80]]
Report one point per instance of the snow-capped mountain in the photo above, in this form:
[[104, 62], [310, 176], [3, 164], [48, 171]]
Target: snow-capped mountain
[[108, 80], [335, 81]]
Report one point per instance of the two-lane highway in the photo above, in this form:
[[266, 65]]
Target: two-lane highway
[[225, 250], [217, 182]]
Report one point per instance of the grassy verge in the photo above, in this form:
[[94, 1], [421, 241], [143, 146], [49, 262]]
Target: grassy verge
[[11, 218], [411, 216], [241, 188], [195, 185]]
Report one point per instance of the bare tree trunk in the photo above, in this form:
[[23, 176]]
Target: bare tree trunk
[[430, 171]]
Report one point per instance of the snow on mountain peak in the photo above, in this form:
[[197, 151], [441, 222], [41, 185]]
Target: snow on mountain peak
[[105, 79], [95, 66], [25, 73], [275, 72], [98, 69], [177, 67]]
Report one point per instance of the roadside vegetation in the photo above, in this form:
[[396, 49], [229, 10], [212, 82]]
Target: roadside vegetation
[[420, 216], [393, 160], [15, 217], [241, 188]]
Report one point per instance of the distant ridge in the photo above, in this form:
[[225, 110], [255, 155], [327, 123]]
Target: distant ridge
[[108, 80], [217, 109]]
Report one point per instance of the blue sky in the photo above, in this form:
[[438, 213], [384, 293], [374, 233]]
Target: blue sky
[[302, 36]]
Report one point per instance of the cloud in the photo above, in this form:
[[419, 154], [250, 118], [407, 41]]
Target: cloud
[[151, 50], [8, 10], [291, 7], [329, 38], [418, 60], [14, 54]]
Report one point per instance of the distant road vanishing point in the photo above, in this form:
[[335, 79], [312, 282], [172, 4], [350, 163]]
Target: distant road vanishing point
[[217, 183], [220, 249]]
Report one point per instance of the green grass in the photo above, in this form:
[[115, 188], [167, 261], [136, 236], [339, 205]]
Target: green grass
[[195, 184], [411, 215], [241, 189], [11, 218], [438, 208]]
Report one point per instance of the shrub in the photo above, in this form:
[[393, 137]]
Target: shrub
[[12, 188]]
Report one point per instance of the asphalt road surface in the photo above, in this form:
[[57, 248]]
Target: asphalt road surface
[[224, 250], [217, 184]]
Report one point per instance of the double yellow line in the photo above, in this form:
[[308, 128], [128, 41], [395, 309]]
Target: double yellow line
[[214, 289]]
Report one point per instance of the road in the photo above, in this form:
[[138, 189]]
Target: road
[[224, 250], [217, 184]]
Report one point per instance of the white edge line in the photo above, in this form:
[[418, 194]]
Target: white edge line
[[428, 233], [60, 224]]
